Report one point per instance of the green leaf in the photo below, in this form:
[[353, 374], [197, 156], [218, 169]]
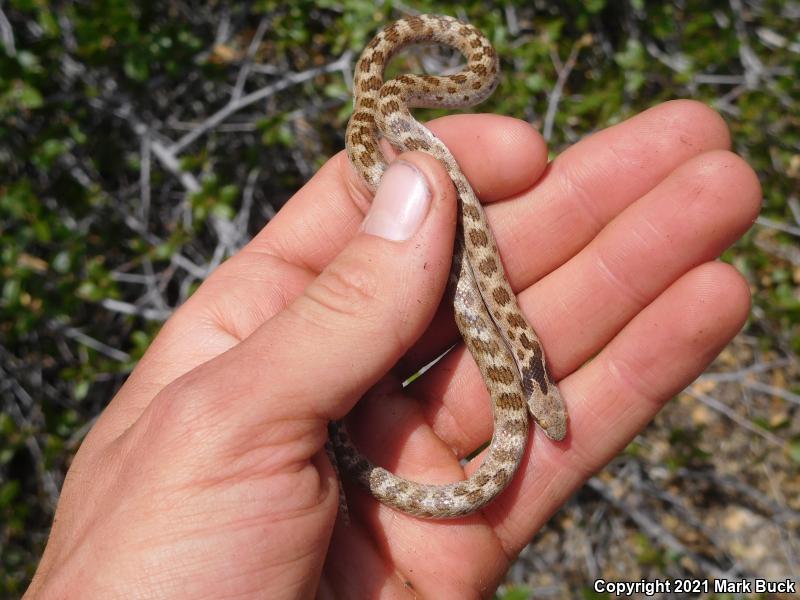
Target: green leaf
[[794, 450], [22, 96], [61, 262], [516, 593], [9, 491], [29, 62], [136, 67], [81, 389], [11, 291], [595, 6], [228, 194]]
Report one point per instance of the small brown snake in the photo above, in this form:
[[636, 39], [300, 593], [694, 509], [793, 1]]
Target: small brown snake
[[503, 344]]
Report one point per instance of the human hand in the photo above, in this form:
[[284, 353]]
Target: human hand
[[206, 475]]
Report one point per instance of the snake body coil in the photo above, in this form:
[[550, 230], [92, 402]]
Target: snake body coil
[[503, 344]]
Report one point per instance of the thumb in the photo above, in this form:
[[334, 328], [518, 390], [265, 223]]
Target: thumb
[[363, 312]]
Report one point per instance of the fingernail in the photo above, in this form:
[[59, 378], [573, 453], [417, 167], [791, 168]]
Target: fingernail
[[400, 204]]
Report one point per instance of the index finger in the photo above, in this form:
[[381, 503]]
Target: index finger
[[500, 156]]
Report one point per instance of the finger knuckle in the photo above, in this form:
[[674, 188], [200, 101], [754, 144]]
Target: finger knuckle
[[349, 289]]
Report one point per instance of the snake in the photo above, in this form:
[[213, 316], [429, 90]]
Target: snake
[[505, 347]]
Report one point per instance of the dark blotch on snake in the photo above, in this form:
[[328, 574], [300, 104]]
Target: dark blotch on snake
[[500, 375], [501, 296], [488, 266], [478, 238]]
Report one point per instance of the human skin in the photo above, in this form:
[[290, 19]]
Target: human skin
[[206, 474]]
